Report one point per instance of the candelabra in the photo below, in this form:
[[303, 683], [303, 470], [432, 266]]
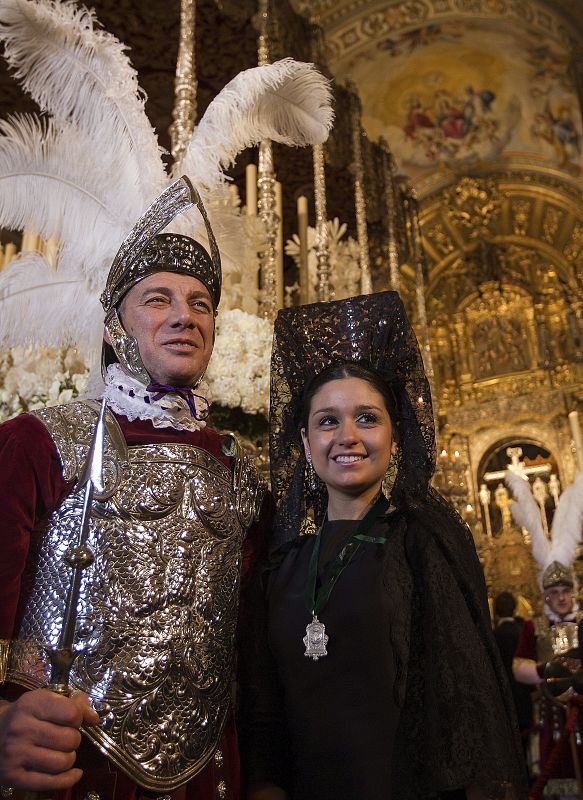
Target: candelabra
[[451, 481], [392, 249], [266, 200], [185, 85], [359, 201], [325, 288]]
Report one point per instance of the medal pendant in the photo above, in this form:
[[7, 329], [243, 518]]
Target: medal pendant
[[315, 639]]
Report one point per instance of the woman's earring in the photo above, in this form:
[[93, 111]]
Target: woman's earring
[[390, 474], [311, 473]]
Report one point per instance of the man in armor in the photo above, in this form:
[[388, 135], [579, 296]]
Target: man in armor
[[547, 653], [546, 644], [172, 530]]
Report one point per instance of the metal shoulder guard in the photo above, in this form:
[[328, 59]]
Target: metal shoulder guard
[[248, 486], [158, 606]]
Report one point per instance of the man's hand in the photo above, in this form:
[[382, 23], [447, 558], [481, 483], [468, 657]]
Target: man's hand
[[39, 734]]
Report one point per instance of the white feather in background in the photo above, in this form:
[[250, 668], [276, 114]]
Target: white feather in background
[[86, 175], [49, 185], [568, 523], [32, 294], [287, 102], [81, 74], [526, 513]]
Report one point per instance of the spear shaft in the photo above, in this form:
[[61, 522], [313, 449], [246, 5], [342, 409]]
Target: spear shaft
[[78, 557]]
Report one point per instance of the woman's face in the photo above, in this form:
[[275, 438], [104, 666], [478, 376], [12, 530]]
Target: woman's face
[[349, 437]]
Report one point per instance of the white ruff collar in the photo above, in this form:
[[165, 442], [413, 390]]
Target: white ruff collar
[[128, 397]]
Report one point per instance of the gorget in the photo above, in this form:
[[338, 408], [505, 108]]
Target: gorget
[[158, 606]]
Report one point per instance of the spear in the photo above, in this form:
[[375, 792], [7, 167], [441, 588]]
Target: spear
[[79, 557]]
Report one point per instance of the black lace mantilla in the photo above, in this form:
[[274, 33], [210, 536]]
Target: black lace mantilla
[[456, 724], [372, 329]]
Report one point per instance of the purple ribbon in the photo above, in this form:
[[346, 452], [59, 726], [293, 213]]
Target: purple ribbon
[[158, 390]]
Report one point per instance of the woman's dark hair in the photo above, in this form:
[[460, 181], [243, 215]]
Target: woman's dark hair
[[350, 369]]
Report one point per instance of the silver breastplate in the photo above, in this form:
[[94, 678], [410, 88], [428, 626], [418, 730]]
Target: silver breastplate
[[158, 606], [558, 639]]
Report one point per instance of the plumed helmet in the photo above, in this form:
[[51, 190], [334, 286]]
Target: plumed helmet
[[146, 251], [557, 574]]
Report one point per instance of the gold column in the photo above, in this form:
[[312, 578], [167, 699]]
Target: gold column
[[185, 85], [462, 350], [325, 283], [532, 336], [266, 201], [9, 253], [573, 417], [390, 203], [359, 201], [325, 286]]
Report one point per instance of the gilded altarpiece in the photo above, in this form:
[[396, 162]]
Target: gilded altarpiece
[[504, 278]]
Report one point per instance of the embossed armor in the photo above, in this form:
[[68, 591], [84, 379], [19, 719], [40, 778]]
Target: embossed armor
[[158, 606], [558, 639]]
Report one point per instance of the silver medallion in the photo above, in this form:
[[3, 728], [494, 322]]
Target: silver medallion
[[315, 639]]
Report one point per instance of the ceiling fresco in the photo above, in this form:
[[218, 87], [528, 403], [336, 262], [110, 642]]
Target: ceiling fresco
[[348, 23], [457, 95], [455, 83], [446, 82]]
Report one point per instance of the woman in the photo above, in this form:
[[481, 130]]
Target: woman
[[375, 674]]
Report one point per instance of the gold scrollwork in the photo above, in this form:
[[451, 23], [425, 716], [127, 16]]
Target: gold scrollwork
[[473, 204]]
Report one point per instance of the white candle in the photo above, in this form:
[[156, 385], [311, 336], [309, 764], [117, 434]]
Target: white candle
[[302, 206], [51, 251], [29, 242], [279, 283], [576, 433], [9, 253], [251, 190], [234, 192]]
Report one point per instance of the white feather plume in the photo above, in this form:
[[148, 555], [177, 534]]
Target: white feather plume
[[88, 173], [526, 513], [48, 185], [43, 307], [287, 102], [226, 222], [81, 75], [567, 524]]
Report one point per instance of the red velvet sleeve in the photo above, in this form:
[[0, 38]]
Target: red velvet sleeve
[[255, 544], [526, 647], [31, 487]]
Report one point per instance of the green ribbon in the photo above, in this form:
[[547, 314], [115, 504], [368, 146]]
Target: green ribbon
[[315, 602]]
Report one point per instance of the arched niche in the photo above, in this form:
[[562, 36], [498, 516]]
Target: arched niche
[[526, 454]]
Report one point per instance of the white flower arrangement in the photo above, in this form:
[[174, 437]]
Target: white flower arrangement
[[239, 254], [344, 260], [31, 378], [238, 373]]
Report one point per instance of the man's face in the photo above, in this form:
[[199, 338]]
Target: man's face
[[560, 599], [171, 317]]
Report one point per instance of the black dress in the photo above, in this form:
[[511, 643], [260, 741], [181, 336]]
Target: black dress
[[411, 702], [340, 709]]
